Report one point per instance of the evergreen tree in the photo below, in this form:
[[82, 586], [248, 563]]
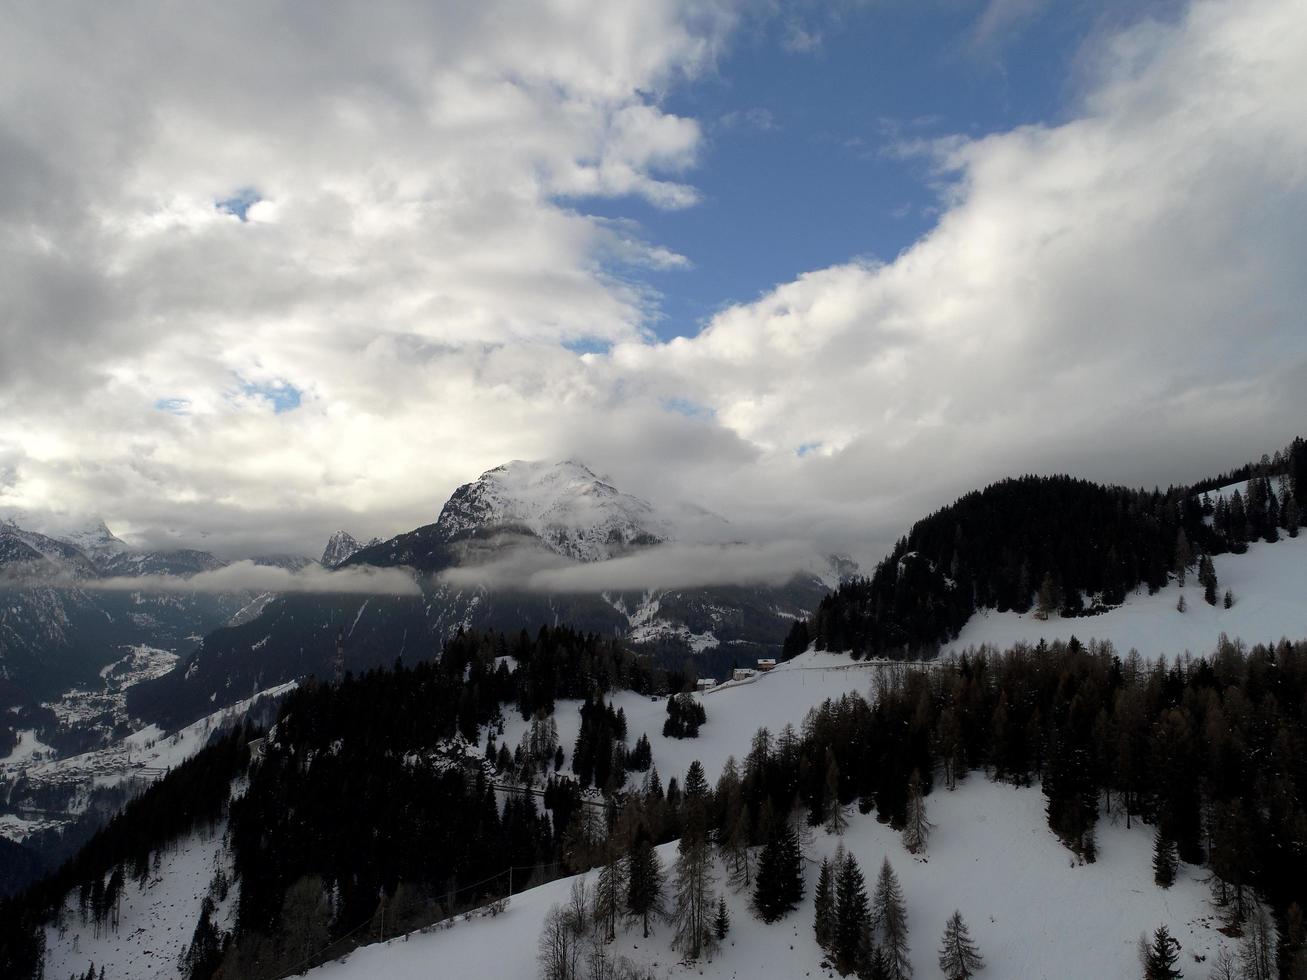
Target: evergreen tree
[[852, 914], [644, 881], [1207, 579], [889, 921], [1164, 859], [1161, 956], [916, 829], [779, 883], [722, 923], [958, 956], [1183, 556], [823, 922]]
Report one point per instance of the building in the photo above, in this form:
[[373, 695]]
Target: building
[[742, 673], [767, 663], [703, 683]]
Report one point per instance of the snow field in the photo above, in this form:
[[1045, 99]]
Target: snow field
[[1269, 583], [1033, 912]]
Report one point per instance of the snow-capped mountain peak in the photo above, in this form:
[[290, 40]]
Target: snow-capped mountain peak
[[567, 506], [94, 540], [341, 547]]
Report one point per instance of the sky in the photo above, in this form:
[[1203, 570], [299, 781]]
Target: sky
[[271, 269]]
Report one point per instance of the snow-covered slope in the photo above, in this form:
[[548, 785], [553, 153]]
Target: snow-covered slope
[[735, 709], [1269, 584], [156, 917], [565, 505], [1034, 913]]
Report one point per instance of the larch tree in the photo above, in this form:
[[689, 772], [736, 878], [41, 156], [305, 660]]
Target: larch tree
[[916, 828], [836, 819], [958, 956]]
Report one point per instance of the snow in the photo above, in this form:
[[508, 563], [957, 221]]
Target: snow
[[570, 509], [29, 749], [1269, 583], [735, 709], [1030, 908], [156, 918]]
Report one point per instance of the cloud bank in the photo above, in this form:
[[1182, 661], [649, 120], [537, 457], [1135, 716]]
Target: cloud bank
[[668, 566], [246, 576]]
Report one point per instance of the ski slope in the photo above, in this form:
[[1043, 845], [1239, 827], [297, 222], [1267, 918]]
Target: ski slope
[[1269, 583], [1034, 912]]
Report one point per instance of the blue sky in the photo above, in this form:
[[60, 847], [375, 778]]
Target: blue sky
[[799, 170]]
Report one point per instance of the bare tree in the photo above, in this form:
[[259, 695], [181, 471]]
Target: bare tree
[[559, 951]]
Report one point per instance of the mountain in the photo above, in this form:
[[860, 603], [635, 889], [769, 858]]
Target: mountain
[[58, 630], [1076, 763], [341, 547], [520, 513], [565, 505]]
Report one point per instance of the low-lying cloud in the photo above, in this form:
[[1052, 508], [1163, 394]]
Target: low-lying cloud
[[246, 576], [669, 566]]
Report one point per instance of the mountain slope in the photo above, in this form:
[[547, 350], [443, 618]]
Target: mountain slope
[[559, 513], [1064, 545]]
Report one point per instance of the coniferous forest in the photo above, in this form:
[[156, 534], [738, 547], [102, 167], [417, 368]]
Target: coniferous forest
[[1054, 544]]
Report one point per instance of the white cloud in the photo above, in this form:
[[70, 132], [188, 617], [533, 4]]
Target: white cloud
[[1119, 295], [669, 566], [246, 576]]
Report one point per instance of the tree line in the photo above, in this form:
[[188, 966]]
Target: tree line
[[1053, 544]]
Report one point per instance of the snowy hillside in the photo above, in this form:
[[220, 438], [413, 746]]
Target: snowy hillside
[[1034, 913], [1269, 585], [565, 504], [736, 709], [156, 917]]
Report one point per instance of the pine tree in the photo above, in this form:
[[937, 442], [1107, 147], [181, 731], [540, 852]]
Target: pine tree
[[779, 881], [722, 923], [852, 914], [889, 921], [1164, 859], [644, 881], [823, 921], [1207, 579], [1229, 599], [958, 956], [916, 829], [1161, 956], [1183, 556]]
